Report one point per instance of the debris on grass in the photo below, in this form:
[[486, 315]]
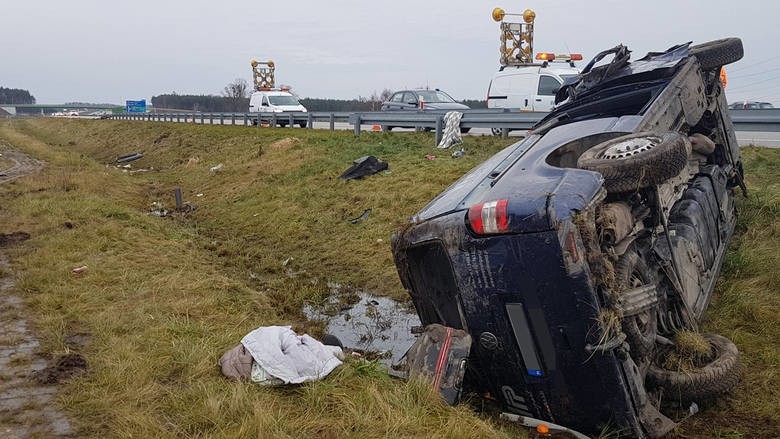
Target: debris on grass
[[129, 157], [274, 355], [364, 166], [216, 168], [158, 209], [362, 216], [430, 156], [79, 270]]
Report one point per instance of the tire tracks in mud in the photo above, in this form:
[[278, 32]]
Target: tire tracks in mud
[[27, 406]]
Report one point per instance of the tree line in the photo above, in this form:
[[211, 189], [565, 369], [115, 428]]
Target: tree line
[[15, 96]]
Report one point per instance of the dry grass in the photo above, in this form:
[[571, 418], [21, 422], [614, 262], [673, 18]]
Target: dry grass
[[163, 298], [691, 351]]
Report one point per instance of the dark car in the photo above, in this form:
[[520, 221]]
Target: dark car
[[750, 105], [573, 257], [420, 100]]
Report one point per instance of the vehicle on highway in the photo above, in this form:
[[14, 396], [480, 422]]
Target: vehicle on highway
[[531, 87], [420, 100], [750, 105], [275, 100], [267, 98], [574, 258]]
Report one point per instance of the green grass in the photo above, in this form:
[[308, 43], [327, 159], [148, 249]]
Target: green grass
[[163, 298]]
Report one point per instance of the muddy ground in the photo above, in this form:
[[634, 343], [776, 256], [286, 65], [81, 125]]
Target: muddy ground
[[28, 376]]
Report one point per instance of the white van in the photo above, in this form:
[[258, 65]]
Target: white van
[[275, 101], [531, 87]]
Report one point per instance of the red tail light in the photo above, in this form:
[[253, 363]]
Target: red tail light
[[576, 57], [489, 218]]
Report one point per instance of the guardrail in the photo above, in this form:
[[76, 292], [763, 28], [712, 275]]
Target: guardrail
[[433, 120], [246, 119]]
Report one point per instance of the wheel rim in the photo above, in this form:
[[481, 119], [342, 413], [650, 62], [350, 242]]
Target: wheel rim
[[630, 147]]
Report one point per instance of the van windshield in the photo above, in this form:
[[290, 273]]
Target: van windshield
[[283, 100]]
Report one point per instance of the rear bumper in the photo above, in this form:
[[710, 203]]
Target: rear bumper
[[530, 309]]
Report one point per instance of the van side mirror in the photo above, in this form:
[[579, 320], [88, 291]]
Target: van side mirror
[[264, 104]]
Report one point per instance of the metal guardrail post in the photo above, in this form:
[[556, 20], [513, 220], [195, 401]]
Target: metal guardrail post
[[332, 122], [211, 118], [357, 124], [245, 119], [221, 118], [232, 118], [504, 133], [292, 120], [309, 121], [439, 128], [273, 120]]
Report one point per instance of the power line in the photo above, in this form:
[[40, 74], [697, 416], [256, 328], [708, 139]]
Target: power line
[[774, 78], [749, 66], [754, 74]]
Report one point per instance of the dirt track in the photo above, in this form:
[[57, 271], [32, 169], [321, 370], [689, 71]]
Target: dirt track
[[27, 406]]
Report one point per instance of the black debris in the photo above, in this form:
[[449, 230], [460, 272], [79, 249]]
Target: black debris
[[364, 166]]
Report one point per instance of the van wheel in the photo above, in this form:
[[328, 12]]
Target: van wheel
[[637, 161], [718, 53], [721, 372], [303, 124], [496, 131], [387, 128], [464, 130]]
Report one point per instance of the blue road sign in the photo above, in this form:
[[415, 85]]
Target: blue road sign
[[136, 106]]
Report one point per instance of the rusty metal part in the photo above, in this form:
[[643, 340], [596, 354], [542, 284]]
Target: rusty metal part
[[616, 222]]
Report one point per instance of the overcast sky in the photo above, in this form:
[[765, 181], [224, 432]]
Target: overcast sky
[[107, 52]]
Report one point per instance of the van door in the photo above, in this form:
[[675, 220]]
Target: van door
[[545, 93], [513, 88]]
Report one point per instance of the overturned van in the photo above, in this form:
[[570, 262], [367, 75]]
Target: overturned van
[[572, 258]]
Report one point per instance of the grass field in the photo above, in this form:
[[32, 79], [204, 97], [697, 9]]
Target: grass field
[[163, 298]]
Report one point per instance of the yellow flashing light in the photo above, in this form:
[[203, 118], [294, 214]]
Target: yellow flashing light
[[529, 16], [498, 14]]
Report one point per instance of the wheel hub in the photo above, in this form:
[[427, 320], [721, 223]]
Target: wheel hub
[[630, 147]]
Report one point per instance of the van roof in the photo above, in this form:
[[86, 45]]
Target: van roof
[[273, 93], [554, 68]]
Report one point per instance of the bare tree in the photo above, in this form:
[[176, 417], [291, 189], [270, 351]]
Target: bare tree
[[236, 93]]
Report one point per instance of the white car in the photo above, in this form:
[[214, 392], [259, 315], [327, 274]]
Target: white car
[[531, 87], [276, 101]]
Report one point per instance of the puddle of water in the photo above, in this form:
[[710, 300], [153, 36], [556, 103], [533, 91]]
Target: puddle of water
[[374, 324]]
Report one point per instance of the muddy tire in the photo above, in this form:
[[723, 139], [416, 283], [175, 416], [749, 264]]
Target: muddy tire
[[718, 53], [718, 376], [631, 271], [637, 161], [387, 128], [303, 124], [496, 131]]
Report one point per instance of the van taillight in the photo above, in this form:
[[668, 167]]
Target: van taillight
[[489, 218]]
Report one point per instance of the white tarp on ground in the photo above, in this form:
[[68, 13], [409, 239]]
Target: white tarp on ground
[[289, 357]]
